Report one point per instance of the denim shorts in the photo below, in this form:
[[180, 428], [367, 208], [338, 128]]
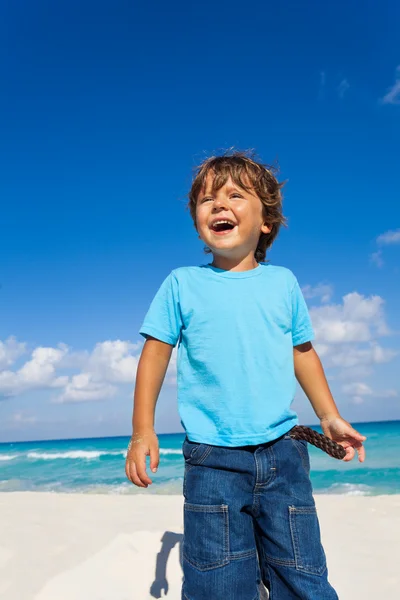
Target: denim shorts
[[250, 516]]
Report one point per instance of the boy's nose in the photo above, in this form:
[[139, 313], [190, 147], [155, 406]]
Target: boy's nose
[[220, 202]]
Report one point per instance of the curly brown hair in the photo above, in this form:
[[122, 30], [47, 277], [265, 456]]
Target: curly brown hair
[[239, 165]]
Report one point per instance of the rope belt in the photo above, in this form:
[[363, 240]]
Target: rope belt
[[299, 432]]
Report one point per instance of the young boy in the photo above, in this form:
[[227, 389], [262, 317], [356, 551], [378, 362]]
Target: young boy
[[244, 335]]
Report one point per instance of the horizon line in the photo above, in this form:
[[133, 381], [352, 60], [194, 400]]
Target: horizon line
[[107, 437]]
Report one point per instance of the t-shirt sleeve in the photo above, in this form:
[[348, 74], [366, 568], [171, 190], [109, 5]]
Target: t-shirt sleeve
[[163, 319], [302, 330]]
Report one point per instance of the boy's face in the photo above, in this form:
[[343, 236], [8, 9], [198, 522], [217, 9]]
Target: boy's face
[[242, 208]]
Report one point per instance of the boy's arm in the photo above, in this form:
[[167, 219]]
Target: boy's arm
[[153, 364], [310, 375]]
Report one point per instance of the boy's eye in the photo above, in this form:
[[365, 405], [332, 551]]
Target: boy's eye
[[232, 196]]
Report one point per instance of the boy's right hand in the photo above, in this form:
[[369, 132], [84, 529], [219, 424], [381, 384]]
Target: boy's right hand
[[142, 444]]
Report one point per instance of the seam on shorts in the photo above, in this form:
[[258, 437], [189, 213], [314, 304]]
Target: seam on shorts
[[302, 454], [210, 567], [208, 508], [280, 561], [258, 487], [272, 469], [242, 554]]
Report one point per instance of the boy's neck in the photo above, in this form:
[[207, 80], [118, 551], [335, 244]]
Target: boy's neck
[[231, 264]]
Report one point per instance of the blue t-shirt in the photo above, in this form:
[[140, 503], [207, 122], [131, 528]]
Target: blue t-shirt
[[235, 332]]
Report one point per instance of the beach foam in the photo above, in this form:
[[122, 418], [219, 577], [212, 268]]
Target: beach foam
[[86, 454], [8, 456], [349, 489]]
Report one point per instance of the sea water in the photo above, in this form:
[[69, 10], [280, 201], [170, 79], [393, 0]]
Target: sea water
[[97, 465]]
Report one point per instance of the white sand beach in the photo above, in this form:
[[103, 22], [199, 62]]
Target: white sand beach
[[110, 547]]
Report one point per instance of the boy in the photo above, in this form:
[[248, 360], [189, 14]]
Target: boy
[[244, 335]]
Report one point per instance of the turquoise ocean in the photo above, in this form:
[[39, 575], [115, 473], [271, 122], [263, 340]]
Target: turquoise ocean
[[96, 466]]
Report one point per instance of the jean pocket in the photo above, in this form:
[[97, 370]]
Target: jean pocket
[[206, 535], [309, 554], [195, 452]]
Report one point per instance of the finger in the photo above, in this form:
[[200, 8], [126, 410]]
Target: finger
[[134, 476], [349, 454], [357, 436], [130, 470], [127, 470], [361, 452], [356, 447], [154, 459], [141, 470]]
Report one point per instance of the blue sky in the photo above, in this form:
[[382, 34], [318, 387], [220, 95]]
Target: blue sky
[[106, 108]]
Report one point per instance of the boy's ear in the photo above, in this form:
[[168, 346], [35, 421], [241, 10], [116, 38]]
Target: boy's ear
[[265, 228]]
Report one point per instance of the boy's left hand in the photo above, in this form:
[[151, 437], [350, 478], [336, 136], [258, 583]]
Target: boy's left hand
[[340, 431]]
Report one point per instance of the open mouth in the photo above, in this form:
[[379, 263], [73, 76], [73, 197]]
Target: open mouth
[[222, 227]]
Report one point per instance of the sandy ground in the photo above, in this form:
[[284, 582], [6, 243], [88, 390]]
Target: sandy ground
[[109, 547]]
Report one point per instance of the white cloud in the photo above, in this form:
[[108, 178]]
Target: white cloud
[[393, 94], [111, 362], [10, 351], [359, 390], [37, 373], [342, 88], [355, 356], [82, 388], [347, 340], [100, 372], [321, 290], [22, 418], [376, 259], [358, 319], [389, 237], [358, 399]]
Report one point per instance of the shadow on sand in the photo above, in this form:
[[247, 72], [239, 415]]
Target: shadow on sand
[[168, 542], [160, 584]]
